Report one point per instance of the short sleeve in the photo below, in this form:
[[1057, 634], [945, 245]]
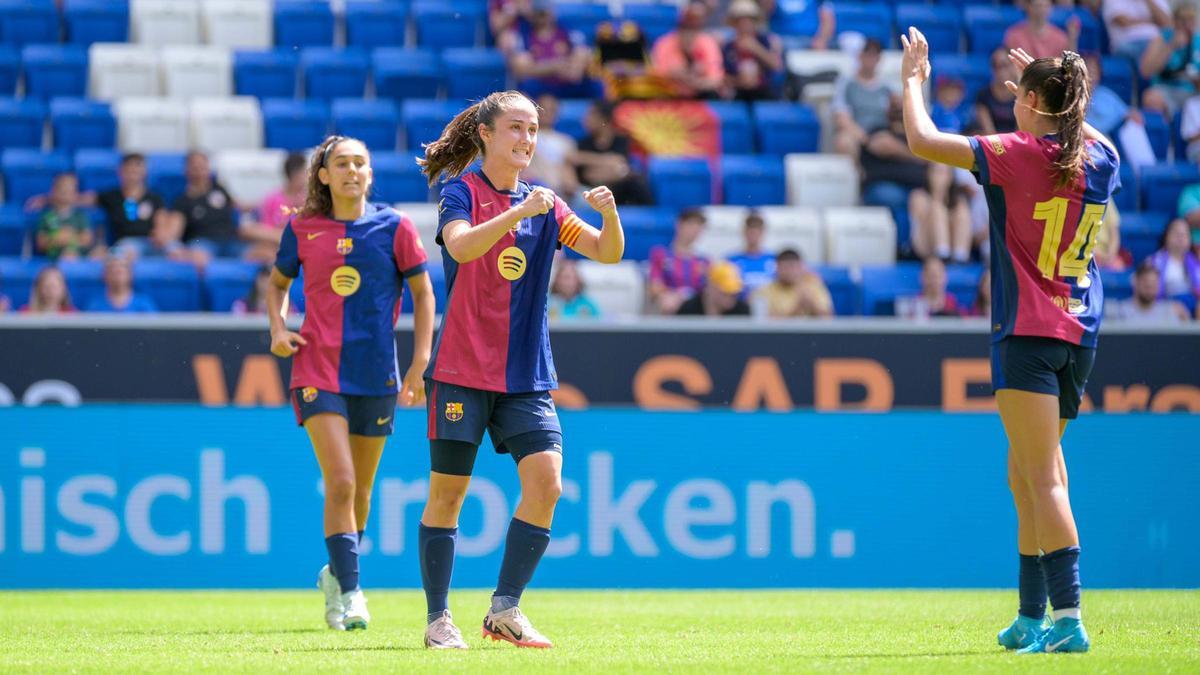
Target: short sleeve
[[1189, 200], [997, 157], [407, 247], [570, 226], [287, 260], [455, 204]]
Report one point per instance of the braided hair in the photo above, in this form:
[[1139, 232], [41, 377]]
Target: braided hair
[[1062, 86]]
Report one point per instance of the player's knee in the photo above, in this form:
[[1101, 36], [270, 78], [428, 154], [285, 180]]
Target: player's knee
[[340, 490], [1042, 484], [544, 492], [446, 499]]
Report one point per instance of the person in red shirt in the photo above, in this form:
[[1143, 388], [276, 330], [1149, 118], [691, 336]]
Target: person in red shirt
[[689, 57], [1037, 36]]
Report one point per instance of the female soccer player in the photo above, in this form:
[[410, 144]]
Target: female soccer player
[[491, 367], [356, 257], [1047, 185]]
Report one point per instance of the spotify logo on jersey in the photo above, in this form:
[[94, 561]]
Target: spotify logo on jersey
[[511, 263], [345, 280]]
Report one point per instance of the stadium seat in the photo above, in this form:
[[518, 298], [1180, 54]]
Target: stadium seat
[[645, 227], [55, 70], [724, 217], [962, 281], [196, 71], [1119, 74], [173, 286], [722, 235], [22, 122], [477, 73], [294, 125], [97, 168], [151, 125], [330, 72], [164, 22], [1126, 199], [14, 227], [406, 73], [82, 123], [975, 71], [371, 24], [737, 127], [25, 22], [1089, 27], [229, 123], [376, 123], [881, 285], [871, 19], [1141, 232], [10, 70], [89, 21], [582, 17], [681, 181], [120, 70], [655, 20], [618, 290], [842, 289], [164, 174], [860, 235], [265, 74], [797, 227], [1161, 185], [16, 277], [785, 127], [424, 217], [1158, 130], [226, 281], [986, 25], [85, 280], [821, 179], [423, 120], [397, 178], [941, 25], [751, 180], [570, 116], [437, 278], [29, 172], [238, 24], [1117, 285], [442, 24], [249, 175], [303, 23]]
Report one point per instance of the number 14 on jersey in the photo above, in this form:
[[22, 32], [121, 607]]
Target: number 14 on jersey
[[1074, 261]]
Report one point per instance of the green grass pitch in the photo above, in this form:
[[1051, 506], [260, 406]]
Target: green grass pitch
[[627, 631]]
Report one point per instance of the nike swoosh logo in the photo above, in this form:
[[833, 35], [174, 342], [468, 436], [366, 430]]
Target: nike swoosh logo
[[486, 204], [314, 235], [516, 636], [382, 420], [1055, 645]]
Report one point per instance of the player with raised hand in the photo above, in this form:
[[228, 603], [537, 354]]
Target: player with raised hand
[[356, 258], [1048, 186], [491, 367]]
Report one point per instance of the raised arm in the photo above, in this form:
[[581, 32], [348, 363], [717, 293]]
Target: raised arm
[[465, 243], [923, 136]]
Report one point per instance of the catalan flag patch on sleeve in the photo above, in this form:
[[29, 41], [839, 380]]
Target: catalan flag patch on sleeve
[[569, 231]]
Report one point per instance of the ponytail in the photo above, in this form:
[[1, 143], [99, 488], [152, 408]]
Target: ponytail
[[1062, 85], [460, 142]]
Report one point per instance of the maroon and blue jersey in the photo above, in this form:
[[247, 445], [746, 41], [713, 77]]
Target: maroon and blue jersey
[[354, 276], [495, 332], [1044, 280]]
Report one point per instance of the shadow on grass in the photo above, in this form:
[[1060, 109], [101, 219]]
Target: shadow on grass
[[231, 631]]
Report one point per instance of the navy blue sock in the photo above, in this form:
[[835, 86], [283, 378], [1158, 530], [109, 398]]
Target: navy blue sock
[[343, 559], [523, 548], [436, 550], [1061, 569], [360, 536], [1032, 588]]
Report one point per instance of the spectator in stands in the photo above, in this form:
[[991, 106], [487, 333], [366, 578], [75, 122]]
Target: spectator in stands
[[1146, 306], [933, 300], [983, 295], [551, 164], [138, 222], [602, 158], [118, 293], [1114, 117], [1189, 129], [949, 111], [756, 264], [1133, 24], [1189, 210], [205, 213], [795, 291], [1108, 253], [63, 231], [568, 293], [1037, 36], [1177, 262], [277, 206], [506, 18], [689, 57], [622, 57], [49, 294], [547, 59], [677, 273], [5, 301], [994, 103], [720, 296], [1171, 63], [753, 55], [860, 101], [255, 301]]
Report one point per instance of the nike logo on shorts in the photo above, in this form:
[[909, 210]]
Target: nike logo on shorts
[[382, 420]]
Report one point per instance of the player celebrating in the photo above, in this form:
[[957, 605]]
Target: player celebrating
[[1047, 185], [356, 257], [491, 367]]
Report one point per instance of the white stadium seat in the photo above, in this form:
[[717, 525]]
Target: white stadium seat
[[151, 125], [797, 227], [197, 71], [821, 179], [722, 236], [725, 217], [230, 123], [617, 289], [164, 22], [424, 216], [119, 70], [860, 235], [250, 175], [241, 24]]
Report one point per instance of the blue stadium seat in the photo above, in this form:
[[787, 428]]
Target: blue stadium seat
[[10, 70], [1158, 130], [30, 172], [882, 285], [1141, 232], [871, 19], [975, 70], [1117, 285], [303, 23], [681, 181], [941, 24], [294, 125], [1118, 73], [55, 70], [842, 288], [226, 281], [962, 281], [785, 127], [373, 24], [89, 21], [1177, 140], [570, 116], [737, 127], [646, 227], [376, 123], [24, 22], [655, 20], [14, 224], [1161, 185], [85, 280], [164, 174], [16, 278], [986, 25], [437, 278], [752, 180], [265, 74], [173, 286], [407, 73], [330, 72], [424, 120], [22, 122], [97, 169], [398, 178], [477, 72], [82, 123], [1126, 198], [1089, 27], [442, 24], [582, 17]]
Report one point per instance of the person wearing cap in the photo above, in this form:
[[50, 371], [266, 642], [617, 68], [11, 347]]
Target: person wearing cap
[[722, 294], [753, 57], [689, 57], [860, 101], [545, 58]]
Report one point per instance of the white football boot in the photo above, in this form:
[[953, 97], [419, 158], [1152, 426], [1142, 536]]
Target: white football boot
[[512, 626], [356, 616], [333, 598], [443, 634]]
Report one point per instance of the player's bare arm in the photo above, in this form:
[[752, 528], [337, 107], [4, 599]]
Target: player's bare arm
[[923, 136], [284, 342], [466, 243], [607, 244]]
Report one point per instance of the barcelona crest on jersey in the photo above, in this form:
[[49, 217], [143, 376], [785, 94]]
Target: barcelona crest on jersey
[[345, 246]]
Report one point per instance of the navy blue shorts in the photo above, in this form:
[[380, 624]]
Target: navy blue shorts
[[459, 413], [1043, 366], [365, 415]]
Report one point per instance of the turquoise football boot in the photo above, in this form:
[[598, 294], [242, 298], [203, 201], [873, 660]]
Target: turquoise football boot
[[1023, 632], [1066, 635]]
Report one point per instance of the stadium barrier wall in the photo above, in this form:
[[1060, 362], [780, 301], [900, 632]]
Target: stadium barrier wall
[[182, 496]]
